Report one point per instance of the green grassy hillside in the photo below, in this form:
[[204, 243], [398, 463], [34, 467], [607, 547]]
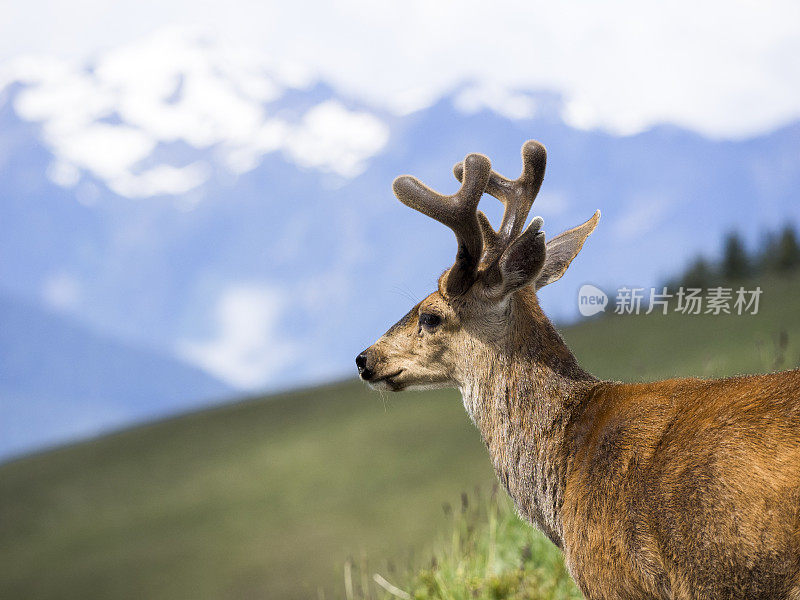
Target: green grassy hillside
[[268, 498]]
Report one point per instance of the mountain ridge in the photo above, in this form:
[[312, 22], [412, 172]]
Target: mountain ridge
[[61, 381], [291, 254]]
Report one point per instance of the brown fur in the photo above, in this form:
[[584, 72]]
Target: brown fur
[[679, 489]]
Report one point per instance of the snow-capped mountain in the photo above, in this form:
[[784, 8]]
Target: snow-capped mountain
[[237, 214]]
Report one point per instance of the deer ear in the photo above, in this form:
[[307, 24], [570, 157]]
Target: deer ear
[[522, 261], [562, 249]]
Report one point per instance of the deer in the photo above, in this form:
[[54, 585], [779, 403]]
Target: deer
[[678, 489]]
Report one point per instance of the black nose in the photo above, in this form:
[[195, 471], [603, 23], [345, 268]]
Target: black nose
[[363, 370]]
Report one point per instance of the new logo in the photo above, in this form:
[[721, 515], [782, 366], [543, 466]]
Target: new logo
[[591, 300]]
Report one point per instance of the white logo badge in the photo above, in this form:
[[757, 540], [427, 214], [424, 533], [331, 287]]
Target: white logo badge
[[591, 300]]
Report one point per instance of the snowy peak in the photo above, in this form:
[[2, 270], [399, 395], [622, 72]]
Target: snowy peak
[[110, 119], [162, 116]]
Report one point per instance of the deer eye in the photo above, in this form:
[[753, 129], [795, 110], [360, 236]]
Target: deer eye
[[429, 321]]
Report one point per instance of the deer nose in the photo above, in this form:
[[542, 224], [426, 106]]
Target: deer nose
[[363, 370]]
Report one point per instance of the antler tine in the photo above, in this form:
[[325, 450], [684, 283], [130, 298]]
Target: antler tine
[[517, 196], [458, 212]]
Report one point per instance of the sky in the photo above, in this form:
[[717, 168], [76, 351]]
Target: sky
[[727, 69]]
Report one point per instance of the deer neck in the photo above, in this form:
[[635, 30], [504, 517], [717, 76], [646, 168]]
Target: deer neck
[[522, 395]]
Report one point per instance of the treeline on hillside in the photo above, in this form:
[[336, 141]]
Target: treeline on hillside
[[778, 252]]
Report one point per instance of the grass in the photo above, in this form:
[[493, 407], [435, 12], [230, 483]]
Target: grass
[[260, 499], [272, 498], [487, 553]]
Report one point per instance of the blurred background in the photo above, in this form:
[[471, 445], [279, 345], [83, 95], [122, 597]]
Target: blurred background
[[197, 224]]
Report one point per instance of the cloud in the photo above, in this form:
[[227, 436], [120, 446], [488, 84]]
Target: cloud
[[161, 179], [725, 67], [642, 216], [336, 139], [246, 349], [177, 86], [495, 98], [61, 291]]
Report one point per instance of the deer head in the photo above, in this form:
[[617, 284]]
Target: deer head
[[487, 298]]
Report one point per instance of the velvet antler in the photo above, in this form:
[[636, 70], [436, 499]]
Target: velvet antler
[[459, 212], [517, 196]]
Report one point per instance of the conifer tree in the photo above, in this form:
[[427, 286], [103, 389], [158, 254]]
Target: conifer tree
[[700, 274], [735, 261], [787, 251]]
